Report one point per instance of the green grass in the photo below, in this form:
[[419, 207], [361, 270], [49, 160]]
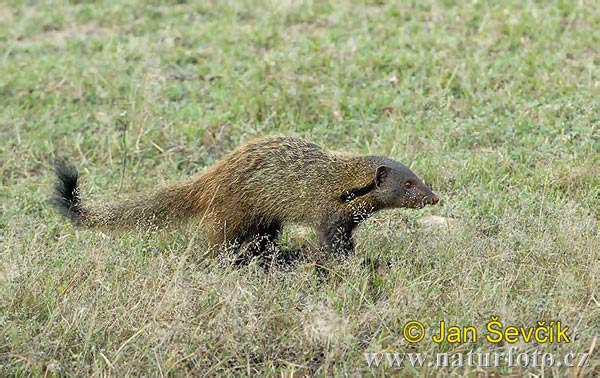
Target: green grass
[[495, 104]]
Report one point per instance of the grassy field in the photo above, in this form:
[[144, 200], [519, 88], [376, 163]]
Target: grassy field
[[495, 104]]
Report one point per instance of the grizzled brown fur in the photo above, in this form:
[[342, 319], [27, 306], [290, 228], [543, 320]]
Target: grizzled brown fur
[[256, 189]]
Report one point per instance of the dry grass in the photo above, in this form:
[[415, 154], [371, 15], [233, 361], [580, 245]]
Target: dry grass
[[494, 104]]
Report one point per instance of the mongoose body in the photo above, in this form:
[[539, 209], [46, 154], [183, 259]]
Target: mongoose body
[[256, 189]]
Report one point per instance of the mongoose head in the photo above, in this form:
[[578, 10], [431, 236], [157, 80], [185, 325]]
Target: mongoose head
[[397, 186]]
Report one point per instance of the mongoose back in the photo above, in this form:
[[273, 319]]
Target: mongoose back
[[253, 191]]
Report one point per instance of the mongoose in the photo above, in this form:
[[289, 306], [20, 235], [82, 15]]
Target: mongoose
[[257, 188]]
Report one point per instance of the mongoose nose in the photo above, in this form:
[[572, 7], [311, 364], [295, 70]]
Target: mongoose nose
[[434, 199]]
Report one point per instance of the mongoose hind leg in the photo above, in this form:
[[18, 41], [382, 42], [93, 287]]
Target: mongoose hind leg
[[224, 239], [261, 242]]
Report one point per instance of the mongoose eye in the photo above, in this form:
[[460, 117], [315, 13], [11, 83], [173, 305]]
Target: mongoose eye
[[408, 185]]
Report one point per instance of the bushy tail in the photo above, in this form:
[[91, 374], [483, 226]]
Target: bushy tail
[[150, 210], [66, 198]]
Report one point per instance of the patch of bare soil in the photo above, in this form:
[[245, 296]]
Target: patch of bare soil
[[60, 37]]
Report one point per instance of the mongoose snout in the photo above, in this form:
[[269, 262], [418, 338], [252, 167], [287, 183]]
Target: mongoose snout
[[429, 200]]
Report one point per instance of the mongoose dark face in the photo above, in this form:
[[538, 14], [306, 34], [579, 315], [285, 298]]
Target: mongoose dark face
[[397, 186]]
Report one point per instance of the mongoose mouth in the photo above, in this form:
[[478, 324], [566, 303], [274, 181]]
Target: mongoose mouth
[[429, 200]]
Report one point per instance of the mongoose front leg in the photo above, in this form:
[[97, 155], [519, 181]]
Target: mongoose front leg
[[337, 238]]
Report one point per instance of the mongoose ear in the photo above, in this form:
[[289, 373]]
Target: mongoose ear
[[381, 173]]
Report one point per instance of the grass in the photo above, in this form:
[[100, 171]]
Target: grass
[[495, 104]]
